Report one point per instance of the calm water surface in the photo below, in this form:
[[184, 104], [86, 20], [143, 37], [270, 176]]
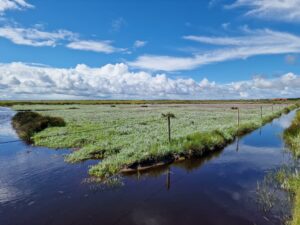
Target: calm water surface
[[37, 187]]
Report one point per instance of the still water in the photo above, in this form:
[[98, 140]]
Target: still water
[[37, 187]]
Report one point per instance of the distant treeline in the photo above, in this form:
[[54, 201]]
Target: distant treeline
[[112, 102]]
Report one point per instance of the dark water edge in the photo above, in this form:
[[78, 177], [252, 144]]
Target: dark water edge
[[38, 187]]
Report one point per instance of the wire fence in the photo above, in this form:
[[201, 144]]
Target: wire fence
[[238, 115]]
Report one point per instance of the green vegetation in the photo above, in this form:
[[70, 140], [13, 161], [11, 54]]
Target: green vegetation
[[28, 123], [292, 136], [130, 137], [290, 179], [145, 102]]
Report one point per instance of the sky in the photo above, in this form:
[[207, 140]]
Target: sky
[[158, 49]]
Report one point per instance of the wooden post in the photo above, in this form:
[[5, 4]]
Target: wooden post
[[169, 128], [272, 108], [261, 112], [169, 116], [238, 116]]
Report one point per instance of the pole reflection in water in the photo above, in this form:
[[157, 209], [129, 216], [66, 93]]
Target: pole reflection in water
[[237, 144], [260, 131], [168, 183]]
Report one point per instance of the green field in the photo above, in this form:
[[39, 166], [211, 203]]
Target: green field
[[131, 136], [135, 102]]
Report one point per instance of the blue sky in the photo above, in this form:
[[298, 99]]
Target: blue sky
[[149, 49]]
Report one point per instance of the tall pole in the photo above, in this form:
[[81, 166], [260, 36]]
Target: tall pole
[[261, 112], [238, 116], [169, 116], [169, 128]]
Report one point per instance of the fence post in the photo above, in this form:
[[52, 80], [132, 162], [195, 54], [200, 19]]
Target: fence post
[[238, 116], [261, 112], [169, 129], [169, 116]]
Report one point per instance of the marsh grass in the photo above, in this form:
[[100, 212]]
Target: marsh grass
[[292, 136], [129, 136], [144, 102], [272, 199], [290, 178]]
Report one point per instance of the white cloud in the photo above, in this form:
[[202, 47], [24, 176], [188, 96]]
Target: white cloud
[[34, 36], [20, 79], [37, 37], [254, 42], [283, 10], [23, 81], [13, 5], [96, 46], [139, 43], [166, 63]]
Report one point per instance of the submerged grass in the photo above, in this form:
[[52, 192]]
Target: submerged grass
[[131, 136], [289, 178]]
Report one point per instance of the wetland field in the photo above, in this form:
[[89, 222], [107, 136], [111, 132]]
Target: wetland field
[[129, 137], [144, 163]]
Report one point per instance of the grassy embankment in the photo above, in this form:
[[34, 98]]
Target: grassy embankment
[[290, 179], [129, 137]]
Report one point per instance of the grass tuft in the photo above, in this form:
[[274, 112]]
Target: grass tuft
[[28, 123]]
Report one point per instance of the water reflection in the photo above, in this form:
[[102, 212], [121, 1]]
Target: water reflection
[[188, 165], [168, 183], [5, 128], [237, 144]]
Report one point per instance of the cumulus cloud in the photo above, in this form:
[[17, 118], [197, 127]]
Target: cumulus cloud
[[20, 81], [33, 36], [95, 46], [13, 5], [252, 43], [283, 10], [83, 81]]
